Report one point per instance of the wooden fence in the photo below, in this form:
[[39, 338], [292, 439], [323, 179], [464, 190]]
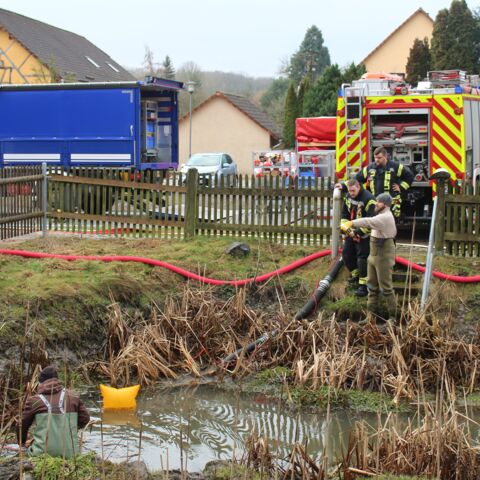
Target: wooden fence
[[145, 204], [461, 221], [115, 202], [111, 202], [22, 208]]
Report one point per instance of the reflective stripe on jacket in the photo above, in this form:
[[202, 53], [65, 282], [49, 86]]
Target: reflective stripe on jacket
[[361, 206], [381, 179]]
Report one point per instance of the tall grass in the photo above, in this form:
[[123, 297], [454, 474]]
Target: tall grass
[[192, 333]]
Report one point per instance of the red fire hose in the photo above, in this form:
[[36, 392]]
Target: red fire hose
[[172, 268], [239, 283], [441, 275]]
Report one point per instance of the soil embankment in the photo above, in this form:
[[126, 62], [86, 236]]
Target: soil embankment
[[125, 322]]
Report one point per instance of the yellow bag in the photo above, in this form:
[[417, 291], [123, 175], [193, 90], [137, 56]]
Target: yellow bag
[[120, 417], [119, 397]]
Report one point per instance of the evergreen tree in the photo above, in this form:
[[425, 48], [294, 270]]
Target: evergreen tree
[[302, 91], [456, 39], [277, 89], [321, 99], [273, 100], [290, 117], [352, 72], [418, 63], [168, 71], [312, 58]]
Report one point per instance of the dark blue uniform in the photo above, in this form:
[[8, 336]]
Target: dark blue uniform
[[381, 179], [356, 250]]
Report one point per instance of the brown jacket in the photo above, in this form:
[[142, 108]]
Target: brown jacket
[[51, 389]]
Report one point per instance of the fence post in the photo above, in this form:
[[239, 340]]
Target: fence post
[[337, 211], [191, 203], [44, 199], [440, 220]]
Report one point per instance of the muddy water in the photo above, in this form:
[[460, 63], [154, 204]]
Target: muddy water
[[189, 427]]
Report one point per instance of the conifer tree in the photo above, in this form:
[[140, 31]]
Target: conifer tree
[[456, 39], [321, 99], [302, 91], [167, 69], [418, 63], [273, 100], [312, 58], [290, 117]]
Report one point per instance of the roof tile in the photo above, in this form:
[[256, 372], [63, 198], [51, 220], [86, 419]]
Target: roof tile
[[64, 51]]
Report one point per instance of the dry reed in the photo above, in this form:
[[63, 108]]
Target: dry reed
[[195, 331], [437, 446]]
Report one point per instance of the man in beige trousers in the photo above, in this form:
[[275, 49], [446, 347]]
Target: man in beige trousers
[[382, 254]]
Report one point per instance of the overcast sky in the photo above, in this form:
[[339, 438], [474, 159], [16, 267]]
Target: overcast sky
[[246, 36]]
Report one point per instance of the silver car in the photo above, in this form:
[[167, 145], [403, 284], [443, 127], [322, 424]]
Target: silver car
[[211, 165]]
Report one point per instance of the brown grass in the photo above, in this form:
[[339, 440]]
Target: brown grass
[[195, 331], [192, 332]]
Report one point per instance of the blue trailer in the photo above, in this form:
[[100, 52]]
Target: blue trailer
[[124, 125]]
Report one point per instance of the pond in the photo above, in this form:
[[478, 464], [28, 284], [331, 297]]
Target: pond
[[187, 427]]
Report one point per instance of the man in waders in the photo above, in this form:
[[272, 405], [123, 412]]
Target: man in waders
[[358, 203], [382, 255], [55, 416]]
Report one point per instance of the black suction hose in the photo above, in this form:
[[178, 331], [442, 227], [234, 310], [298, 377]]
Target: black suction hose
[[308, 309], [321, 290], [248, 349]]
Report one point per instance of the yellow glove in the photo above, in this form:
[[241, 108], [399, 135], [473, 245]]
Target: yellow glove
[[346, 228]]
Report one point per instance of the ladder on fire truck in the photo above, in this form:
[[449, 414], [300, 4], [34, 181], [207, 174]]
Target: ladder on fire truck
[[354, 101]]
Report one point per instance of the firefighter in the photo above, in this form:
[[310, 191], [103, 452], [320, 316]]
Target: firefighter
[[386, 176], [382, 255], [358, 203]]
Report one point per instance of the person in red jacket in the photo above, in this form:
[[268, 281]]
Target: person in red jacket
[[54, 415]]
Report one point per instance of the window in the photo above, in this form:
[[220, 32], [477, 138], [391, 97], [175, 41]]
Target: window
[[228, 159], [93, 62], [113, 67]]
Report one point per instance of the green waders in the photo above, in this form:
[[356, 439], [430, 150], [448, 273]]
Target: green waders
[[380, 270], [55, 433]]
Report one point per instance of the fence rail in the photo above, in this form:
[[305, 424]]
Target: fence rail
[[21, 201], [115, 202], [145, 204], [111, 202], [462, 220], [269, 207]]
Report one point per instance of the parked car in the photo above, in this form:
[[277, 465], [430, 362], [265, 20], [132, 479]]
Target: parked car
[[211, 164]]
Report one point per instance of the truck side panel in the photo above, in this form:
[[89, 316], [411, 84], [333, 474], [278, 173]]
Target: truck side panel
[[68, 127], [340, 147], [447, 139], [471, 109]]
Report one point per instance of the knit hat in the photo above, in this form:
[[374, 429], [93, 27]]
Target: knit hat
[[48, 372], [385, 198]]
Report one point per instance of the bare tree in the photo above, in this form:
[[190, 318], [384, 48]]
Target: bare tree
[[151, 67]]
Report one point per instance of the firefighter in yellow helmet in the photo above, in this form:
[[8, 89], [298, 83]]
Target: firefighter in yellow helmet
[[386, 176]]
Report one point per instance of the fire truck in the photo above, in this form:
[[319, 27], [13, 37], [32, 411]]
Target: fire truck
[[434, 125]]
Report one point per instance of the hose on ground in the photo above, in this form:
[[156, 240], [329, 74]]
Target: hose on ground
[[239, 283], [437, 274], [173, 268]]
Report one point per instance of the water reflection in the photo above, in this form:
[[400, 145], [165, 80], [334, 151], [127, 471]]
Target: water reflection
[[189, 427]]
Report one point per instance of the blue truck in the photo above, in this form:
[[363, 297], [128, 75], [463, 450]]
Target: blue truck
[[124, 125]]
